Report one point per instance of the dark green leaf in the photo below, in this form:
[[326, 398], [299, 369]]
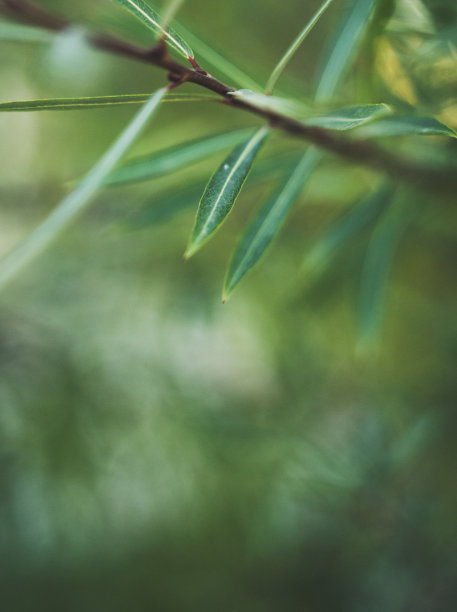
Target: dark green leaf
[[403, 126]]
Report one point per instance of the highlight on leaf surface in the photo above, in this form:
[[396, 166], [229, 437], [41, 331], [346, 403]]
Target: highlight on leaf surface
[[267, 223], [406, 126], [292, 108], [152, 19], [350, 118], [77, 200], [223, 189]]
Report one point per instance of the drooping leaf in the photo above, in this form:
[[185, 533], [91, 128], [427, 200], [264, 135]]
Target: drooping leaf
[[14, 32], [174, 158], [345, 228], [267, 223], [223, 189], [292, 108], [75, 202], [294, 46], [151, 18], [88, 103], [343, 48], [404, 126], [349, 118]]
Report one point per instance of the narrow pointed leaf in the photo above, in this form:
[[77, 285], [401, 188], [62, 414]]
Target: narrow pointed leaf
[[294, 46], [267, 223], [292, 108], [223, 189], [88, 103], [174, 158], [13, 32], [75, 202], [151, 18], [404, 126], [349, 118]]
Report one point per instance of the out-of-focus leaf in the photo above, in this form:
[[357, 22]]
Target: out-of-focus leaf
[[403, 126], [291, 108], [267, 223], [13, 32], [223, 189], [343, 47], [345, 228], [294, 46], [350, 118], [75, 202], [87, 103], [150, 17], [174, 158]]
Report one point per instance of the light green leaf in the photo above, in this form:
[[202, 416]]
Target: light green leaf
[[345, 228], [223, 189], [294, 46], [267, 223], [13, 32], [174, 158], [343, 48], [404, 126], [88, 103], [349, 118], [151, 18], [78, 199], [291, 108]]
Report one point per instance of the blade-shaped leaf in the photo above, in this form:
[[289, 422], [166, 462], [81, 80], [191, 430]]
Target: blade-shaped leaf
[[174, 158], [345, 228], [404, 126], [151, 18], [223, 189], [13, 32], [87, 103], [80, 197], [349, 118], [267, 223], [292, 108], [294, 46]]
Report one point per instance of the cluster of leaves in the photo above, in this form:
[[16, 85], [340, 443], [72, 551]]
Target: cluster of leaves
[[362, 19]]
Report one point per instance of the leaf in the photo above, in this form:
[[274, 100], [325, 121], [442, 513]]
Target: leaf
[[291, 108], [13, 32], [174, 158], [88, 103], [349, 118], [345, 228], [267, 223], [149, 17], [343, 47], [222, 190], [75, 202], [294, 46], [404, 126]]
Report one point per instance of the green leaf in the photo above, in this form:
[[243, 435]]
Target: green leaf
[[88, 103], [174, 158], [267, 223], [151, 18], [291, 108], [13, 32], [222, 190], [343, 48], [75, 202], [404, 126], [345, 228], [349, 118], [294, 46]]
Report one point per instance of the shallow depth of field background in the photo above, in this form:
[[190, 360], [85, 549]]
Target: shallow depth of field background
[[161, 451]]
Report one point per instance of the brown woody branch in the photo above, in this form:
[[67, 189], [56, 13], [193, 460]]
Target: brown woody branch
[[432, 178]]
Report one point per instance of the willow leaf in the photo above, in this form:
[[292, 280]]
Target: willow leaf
[[285, 106], [75, 202], [294, 46], [13, 32], [350, 118], [404, 126], [267, 223], [222, 190], [88, 103], [174, 158], [151, 18]]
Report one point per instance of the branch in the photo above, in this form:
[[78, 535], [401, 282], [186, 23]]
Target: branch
[[430, 178]]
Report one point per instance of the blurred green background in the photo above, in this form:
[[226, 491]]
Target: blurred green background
[[160, 451]]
